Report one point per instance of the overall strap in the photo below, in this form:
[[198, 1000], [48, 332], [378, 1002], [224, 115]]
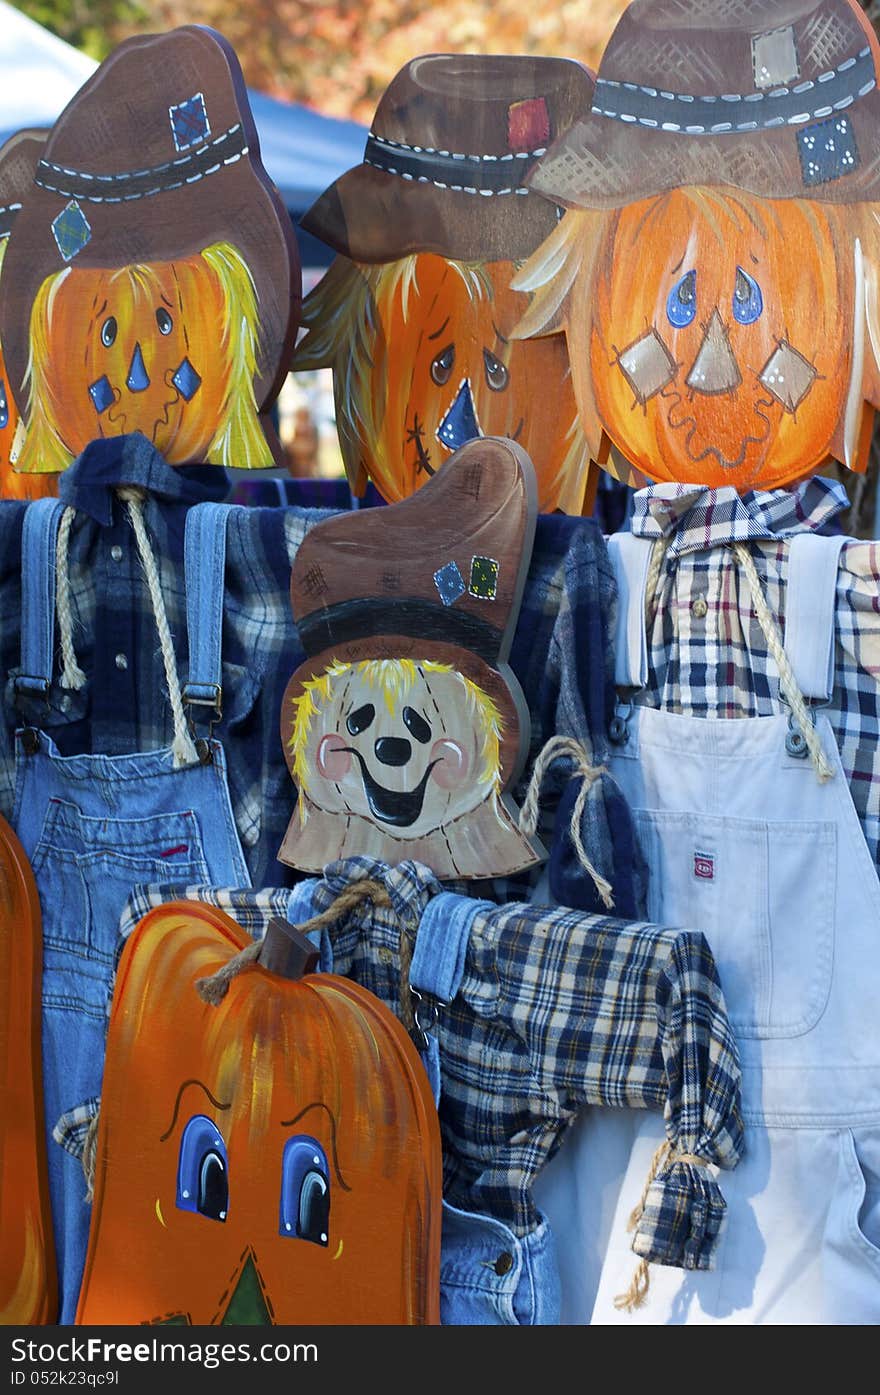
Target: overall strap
[[38, 564], [631, 559], [810, 605], [438, 961], [204, 551]]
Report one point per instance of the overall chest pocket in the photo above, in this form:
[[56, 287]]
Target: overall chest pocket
[[764, 894], [85, 868]]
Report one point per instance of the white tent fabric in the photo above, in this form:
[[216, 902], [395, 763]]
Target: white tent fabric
[[302, 150]]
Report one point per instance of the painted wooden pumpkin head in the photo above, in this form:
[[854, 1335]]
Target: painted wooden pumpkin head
[[423, 362], [28, 1290], [404, 726], [717, 275], [414, 316], [152, 280], [273, 1159]]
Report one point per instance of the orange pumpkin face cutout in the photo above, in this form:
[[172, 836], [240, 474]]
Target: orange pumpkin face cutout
[[405, 726], [152, 278], [272, 1159], [18, 159], [28, 1290], [415, 313], [716, 280]]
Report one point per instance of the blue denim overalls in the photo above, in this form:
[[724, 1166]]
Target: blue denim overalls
[[95, 825], [488, 1275]]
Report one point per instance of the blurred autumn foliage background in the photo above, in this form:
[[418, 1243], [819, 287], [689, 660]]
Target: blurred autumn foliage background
[[339, 58]]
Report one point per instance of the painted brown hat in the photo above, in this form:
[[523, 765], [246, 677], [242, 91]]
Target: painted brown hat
[[777, 98], [156, 157], [444, 168], [438, 576], [18, 160]]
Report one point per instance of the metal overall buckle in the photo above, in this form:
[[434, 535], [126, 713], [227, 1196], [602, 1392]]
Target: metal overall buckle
[[618, 727], [795, 741], [425, 1017], [214, 714]]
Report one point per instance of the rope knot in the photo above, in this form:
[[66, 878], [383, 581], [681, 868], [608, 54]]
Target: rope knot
[[665, 1157], [568, 748]]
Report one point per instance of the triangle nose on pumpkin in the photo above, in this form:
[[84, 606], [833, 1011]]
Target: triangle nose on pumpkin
[[715, 368], [460, 422], [138, 378], [248, 1306]]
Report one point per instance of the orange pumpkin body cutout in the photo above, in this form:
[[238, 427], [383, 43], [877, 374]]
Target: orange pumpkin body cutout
[[720, 348], [293, 1106], [135, 329], [27, 1262], [12, 484], [440, 369]]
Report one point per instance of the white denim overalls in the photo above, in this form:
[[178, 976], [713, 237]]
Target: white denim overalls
[[746, 844]]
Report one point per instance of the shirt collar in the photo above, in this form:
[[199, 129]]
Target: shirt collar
[[694, 517], [107, 464]]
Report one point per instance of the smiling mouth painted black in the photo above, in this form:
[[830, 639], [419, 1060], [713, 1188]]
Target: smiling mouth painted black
[[400, 808]]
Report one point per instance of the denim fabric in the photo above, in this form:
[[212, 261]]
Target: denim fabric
[[489, 1276]]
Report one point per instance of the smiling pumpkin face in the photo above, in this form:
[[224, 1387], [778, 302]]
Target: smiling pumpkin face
[[273, 1159], [721, 339]]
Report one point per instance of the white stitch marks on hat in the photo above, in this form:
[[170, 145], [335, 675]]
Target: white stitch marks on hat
[[142, 194], [452, 154], [454, 188]]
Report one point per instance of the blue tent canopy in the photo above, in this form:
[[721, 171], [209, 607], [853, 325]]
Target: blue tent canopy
[[302, 150]]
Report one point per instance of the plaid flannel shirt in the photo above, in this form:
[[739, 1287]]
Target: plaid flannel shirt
[[561, 643], [556, 1009], [714, 662]]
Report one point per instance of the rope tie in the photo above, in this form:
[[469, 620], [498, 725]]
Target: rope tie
[[182, 747], [213, 990], [665, 1156], [72, 676], [558, 748], [652, 579], [90, 1154], [787, 681]]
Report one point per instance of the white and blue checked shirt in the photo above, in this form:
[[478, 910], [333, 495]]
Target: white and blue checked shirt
[[712, 660]]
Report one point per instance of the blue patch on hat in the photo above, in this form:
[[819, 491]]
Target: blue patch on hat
[[101, 394], [449, 583], [827, 150], [71, 230], [187, 380], [189, 122]]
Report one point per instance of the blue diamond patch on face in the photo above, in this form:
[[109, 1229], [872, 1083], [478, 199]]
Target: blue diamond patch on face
[[827, 150], [101, 394], [449, 583], [71, 230], [189, 122], [187, 380]]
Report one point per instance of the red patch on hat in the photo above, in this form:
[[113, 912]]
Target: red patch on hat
[[528, 125]]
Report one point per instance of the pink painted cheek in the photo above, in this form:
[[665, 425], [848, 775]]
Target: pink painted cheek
[[332, 758], [453, 766]]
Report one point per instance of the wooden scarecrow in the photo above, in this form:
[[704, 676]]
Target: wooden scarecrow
[[18, 159], [151, 285], [414, 315], [405, 725], [271, 1158], [716, 277]]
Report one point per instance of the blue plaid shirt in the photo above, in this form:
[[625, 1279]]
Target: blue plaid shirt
[[561, 651], [714, 663]]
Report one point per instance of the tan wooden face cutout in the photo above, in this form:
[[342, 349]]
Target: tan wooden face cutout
[[405, 726], [716, 278], [152, 282], [415, 315]]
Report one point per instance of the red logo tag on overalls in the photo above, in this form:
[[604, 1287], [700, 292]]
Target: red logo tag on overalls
[[704, 866]]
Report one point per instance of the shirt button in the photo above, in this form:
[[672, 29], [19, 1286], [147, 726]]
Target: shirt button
[[121, 661], [116, 552], [386, 955], [699, 607]]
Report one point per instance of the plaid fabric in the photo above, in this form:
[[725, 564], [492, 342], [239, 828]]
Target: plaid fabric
[[556, 1010], [72, 1127], [718, 665], [561, 644]]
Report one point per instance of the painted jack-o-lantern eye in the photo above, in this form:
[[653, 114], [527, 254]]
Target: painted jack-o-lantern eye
[[681, 303], [164, 320], [305, 1191], [748, 301], [442, 365], [496, 372], [203, 1170], [360, 719], [416, 725], [108, 332]]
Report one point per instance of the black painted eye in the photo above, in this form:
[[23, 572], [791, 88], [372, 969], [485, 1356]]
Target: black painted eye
[[108, 332], [164, 321], [304, 1212], [443, 364], [416, 725], [360, 719], [496, 372], [202, 1170]]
